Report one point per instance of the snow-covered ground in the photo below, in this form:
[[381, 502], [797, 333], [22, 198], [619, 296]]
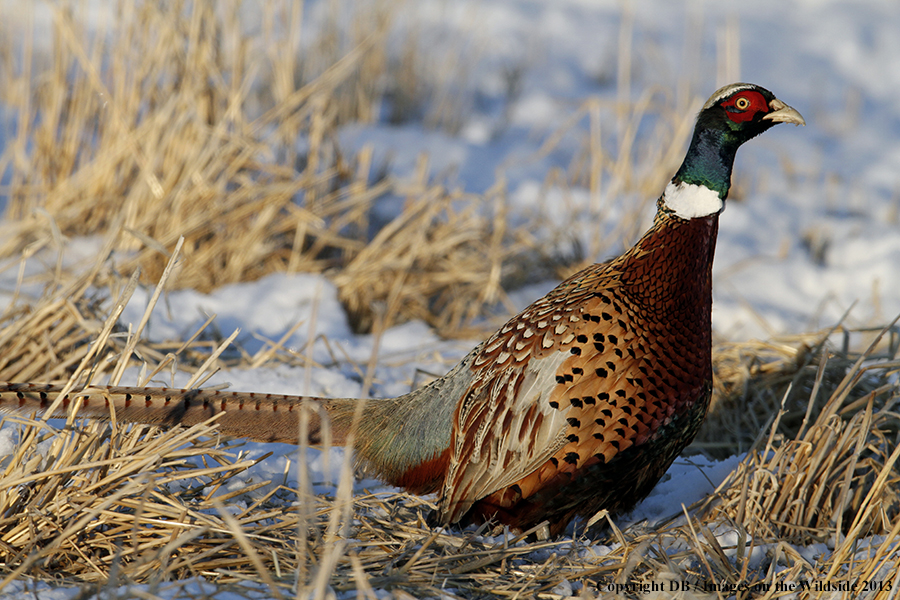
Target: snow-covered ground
[[817, 228]]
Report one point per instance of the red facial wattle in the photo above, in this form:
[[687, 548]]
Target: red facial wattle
[[743, 106]]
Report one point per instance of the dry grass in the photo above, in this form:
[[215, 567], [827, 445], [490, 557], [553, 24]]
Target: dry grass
[[106, 506], [100, 500], [834, 474], [179, 123], [162, 126], [794, 377]]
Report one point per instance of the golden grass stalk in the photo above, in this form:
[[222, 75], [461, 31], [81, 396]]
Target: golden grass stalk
[[178, 122], [98, 501], [835, 477], [755, 380]]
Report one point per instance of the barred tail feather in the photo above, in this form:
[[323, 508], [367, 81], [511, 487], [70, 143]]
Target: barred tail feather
[[257, 417]]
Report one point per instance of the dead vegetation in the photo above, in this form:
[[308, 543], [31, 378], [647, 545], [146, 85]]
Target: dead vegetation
[[755, 380], [832, 472], [107, 506], [178, 122]]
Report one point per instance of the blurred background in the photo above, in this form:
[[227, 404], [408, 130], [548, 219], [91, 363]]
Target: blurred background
[[457, 157]]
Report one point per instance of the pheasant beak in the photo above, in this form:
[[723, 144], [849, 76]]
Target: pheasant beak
[[782, 113]]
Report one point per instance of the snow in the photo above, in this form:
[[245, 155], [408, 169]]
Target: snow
[[688, 480], [268, 307], [814, 231]]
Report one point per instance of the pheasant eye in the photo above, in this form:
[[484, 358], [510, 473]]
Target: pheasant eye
[[742, 103]]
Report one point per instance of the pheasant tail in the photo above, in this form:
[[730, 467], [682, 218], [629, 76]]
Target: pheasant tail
[[258, 417], [392, 440]]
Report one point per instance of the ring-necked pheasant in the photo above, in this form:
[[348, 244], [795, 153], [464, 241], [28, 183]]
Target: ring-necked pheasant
[[579, 403]]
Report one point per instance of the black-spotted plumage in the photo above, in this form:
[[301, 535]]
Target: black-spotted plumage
[[579, 403]]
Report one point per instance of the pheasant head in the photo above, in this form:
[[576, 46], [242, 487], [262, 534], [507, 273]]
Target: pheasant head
[[733, 115]]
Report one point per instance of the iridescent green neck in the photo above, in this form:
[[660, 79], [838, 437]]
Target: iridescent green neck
[[709, 160]]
